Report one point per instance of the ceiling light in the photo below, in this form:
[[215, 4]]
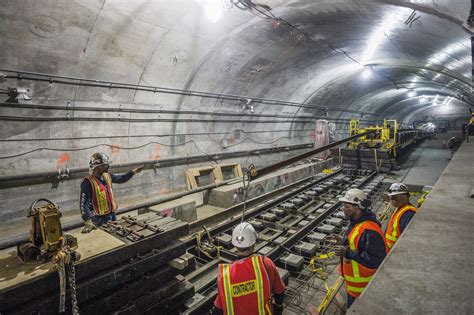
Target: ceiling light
[[422, 100], [367, 73], [411, 93]]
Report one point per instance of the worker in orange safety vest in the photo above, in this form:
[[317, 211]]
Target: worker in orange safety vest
[[97, 201], [246, 286], [362, 247], [404, 212]]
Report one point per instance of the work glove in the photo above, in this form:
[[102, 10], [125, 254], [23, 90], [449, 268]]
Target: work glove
[[334, 239], [88, 226], [277, 309], [137, 170]]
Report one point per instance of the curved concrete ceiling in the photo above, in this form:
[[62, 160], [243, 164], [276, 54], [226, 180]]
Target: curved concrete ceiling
[[337, 57]]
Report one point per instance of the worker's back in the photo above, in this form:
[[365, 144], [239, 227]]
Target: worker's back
[[246, 286]]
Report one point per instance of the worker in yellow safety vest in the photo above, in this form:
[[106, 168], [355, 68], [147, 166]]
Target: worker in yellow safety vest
[[97, 201], [362, 247], [404, 212]]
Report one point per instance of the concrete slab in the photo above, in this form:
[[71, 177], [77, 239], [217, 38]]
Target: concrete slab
[[207, 211], [181, 209], [430, 268], [229, 195]]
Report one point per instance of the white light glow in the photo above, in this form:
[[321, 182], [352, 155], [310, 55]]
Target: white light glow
[[423, 100], [367, 73], [411, 93], [213, 9], [389, 22], [436, 99]]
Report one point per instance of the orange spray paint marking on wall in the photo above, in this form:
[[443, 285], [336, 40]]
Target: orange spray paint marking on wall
[[157, 151], [115, 149], [63, 159]]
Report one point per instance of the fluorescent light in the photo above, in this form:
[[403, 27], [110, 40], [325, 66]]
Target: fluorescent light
[[213, 9], [367, 73], [377, 37], [411, 93]]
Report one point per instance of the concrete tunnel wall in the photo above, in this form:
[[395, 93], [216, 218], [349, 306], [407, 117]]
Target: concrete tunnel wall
[[195, 45]]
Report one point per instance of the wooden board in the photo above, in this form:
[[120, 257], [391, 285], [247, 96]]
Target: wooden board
[[14, 272]]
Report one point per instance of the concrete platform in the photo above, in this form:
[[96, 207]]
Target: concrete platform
[[424, 164], [430, 268], [229, 195]]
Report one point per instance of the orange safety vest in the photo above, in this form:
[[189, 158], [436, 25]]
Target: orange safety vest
[[103, 199], [393, 229], [357, 276], [244, 287]]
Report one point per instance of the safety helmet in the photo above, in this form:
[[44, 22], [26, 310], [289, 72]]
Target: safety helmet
[[98, 159], [356, 197], [398, 189], [244, 235]]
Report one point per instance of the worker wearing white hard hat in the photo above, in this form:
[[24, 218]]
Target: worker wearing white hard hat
[[362, 247], [247, 285], [404, 212]]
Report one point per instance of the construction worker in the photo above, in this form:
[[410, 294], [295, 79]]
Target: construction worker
[[404, 212], [362, 247], [246, 286], [97, 202]]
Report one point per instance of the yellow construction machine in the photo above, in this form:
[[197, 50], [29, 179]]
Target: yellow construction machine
[[382, 137], [46, 235]]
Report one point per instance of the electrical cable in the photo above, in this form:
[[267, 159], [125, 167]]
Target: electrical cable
[[155, 135], [110, 146], [143, 120], [20, 75]]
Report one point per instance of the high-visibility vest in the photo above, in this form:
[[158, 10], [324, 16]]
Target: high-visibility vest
[[103, 200], [393, 229], [244, 287], [357, 276]]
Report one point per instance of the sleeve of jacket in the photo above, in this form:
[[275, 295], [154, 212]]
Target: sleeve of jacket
[[121, 178], [85, 202], [371, 251], [405, 219], [278, 287]]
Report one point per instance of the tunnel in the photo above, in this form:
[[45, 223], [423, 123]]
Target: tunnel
[[192, 94]]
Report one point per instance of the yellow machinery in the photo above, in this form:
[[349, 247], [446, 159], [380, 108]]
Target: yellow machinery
[[46, 235], [383, 137]]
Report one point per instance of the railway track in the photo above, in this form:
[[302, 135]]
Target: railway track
[[292, 230]]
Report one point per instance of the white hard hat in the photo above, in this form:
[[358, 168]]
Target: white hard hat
[[244, 235], [398, 189], [357, 197]]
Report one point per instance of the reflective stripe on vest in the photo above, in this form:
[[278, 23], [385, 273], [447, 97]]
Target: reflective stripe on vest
[[258, 277], [243, 288], [227, 292], [357, 276], [393, 234], [355, 265], [102, 196]]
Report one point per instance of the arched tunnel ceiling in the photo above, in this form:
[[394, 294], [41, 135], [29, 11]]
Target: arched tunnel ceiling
[[198, 45]]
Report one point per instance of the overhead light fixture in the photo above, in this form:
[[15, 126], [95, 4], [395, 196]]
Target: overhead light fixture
[[423, 100], [367, 73], [411, 93], [213, 9]]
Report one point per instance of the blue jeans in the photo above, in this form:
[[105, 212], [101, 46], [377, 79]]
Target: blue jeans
[[99, 220], [350, 300]]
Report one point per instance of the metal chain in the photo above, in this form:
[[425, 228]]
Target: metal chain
[[72, 287]]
